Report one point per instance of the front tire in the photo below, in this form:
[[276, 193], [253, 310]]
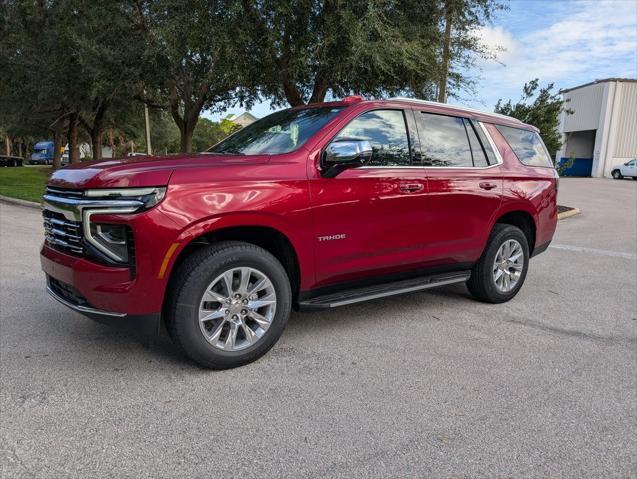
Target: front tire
[[228, 304], [501, 270], [617, 174]]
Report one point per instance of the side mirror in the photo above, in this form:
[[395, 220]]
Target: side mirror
[[343, 154]]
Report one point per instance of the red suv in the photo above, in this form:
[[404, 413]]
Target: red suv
[[308, 208]]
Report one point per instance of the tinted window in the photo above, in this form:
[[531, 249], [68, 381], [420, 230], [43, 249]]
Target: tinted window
[[386, 131], [444, 141], [280, 132], [479, 159], [526, 145]]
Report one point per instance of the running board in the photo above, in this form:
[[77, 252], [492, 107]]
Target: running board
[[357, 295]]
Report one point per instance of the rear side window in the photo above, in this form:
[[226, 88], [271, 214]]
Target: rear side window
[[444, 141], [527, 146], [386, 131], [453, 142]]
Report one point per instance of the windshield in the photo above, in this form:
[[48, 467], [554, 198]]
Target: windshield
[[280, 132], [40, 151]]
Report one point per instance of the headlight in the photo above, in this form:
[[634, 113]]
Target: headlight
[[115, 240], [149, 196], [111, 239]]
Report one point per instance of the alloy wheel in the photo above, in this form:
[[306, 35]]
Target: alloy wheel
[[237, 309], [508, 265]]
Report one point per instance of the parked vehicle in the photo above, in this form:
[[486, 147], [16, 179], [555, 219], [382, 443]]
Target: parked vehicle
[[43, 152], [628, 169], [308, 208]]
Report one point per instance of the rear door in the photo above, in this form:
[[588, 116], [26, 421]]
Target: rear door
[[465, 186], [366, 218]]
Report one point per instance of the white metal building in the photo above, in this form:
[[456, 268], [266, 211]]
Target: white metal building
[[602, 131]]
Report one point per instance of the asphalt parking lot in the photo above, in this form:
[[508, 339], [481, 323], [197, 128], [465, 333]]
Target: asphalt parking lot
[[432, 384]]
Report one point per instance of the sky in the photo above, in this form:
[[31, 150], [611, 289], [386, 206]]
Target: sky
[[565, 42]]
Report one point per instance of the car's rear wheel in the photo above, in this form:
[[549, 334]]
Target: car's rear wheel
[[228, 304], [501, 270], [617, 174]]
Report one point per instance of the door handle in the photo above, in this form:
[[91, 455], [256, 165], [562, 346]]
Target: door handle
[[487, 186], [411, 187]]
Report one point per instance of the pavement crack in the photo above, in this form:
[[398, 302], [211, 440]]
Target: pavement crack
[[572, 333]]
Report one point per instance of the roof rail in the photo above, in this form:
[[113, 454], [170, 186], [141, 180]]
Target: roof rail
[[457, 107]]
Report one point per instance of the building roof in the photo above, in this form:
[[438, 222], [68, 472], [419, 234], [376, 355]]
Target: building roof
[[604, 80], [245, 115]]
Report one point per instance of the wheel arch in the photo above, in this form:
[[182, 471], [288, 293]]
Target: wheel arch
[[523, 220], [266, 236]]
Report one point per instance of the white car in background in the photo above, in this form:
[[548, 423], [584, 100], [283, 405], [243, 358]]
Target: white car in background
[[627, 169]]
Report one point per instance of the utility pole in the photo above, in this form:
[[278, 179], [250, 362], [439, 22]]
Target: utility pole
[[149, 149], [446, 53]]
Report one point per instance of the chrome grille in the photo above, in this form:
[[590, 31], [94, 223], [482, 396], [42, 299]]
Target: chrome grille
[[62, 234]]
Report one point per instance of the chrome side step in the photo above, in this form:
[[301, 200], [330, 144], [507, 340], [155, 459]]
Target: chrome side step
[[357, 295]]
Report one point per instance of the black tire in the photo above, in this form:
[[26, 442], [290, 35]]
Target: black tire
[[617, 174], [482, 284], [187, 286]]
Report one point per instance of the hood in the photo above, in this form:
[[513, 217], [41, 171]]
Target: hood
[[140, 171]]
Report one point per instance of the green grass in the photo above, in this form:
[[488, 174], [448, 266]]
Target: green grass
[[26, 183]]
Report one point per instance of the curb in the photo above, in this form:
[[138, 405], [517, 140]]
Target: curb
[[567, 214], [16, 201]]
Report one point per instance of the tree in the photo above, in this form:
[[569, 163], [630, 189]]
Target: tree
[[461, 45], [65, 69], [209, 133], [301, 51], [193, 59], [542, 112]]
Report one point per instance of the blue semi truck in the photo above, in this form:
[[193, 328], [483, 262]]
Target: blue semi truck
[[42, 153]]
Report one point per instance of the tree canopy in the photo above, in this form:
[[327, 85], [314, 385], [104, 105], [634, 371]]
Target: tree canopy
[[80, 69]]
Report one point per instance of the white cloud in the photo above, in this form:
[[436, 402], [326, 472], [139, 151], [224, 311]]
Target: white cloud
[[500, 42], [579, 42]]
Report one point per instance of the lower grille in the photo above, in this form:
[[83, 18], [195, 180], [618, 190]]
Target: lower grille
[[63, 234], [67, 292]]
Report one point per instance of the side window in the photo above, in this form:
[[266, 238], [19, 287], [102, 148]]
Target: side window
[[527, 146], [479, 159], [444, 141], [386, 131]]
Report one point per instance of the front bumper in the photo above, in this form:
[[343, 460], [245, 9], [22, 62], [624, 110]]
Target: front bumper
[[88, 289]]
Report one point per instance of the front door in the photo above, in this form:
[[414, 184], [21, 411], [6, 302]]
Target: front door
[[365, 218]]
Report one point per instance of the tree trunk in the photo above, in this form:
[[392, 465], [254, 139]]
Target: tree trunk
[[20, 148], [58, 145], [446, 54], [292, 94], [96, 143], [74, 147], [185, 140], [111, 142], [7, 144]]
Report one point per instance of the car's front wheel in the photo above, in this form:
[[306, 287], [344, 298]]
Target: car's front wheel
[[501, 270], [228, 304], [617, 174]]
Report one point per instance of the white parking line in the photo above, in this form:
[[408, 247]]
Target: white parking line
[[581, 249]]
